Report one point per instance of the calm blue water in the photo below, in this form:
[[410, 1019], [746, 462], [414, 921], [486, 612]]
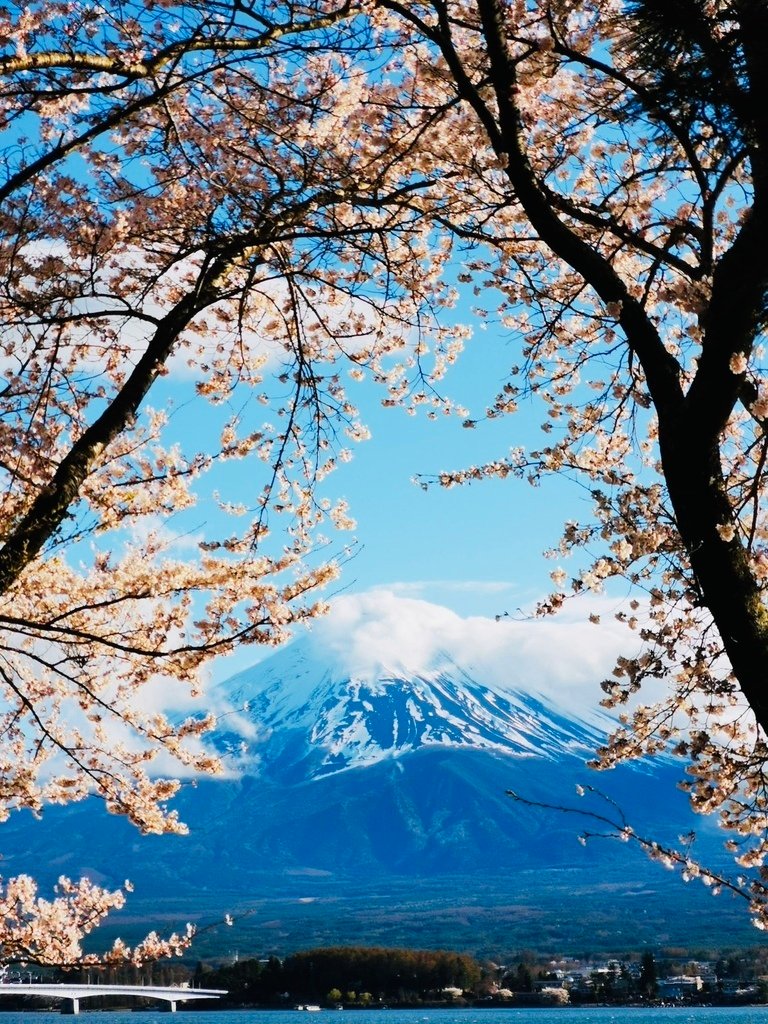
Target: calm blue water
[[564, 1015]]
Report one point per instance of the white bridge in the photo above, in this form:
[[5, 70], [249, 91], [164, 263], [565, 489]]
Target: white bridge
[[73, 995]]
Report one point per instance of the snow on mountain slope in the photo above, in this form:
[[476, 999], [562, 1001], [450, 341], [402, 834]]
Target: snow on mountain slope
[[318, 707]]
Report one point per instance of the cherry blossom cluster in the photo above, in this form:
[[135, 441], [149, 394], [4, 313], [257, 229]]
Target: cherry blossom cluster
[[43, 931]]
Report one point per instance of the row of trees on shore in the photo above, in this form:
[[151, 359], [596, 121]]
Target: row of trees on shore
[[349, 975], [375, 977], [358, 977]]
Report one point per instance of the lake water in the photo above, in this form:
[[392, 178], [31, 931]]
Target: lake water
[[563, 1015]]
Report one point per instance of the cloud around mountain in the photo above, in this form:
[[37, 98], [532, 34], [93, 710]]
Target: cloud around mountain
[[563, 658]]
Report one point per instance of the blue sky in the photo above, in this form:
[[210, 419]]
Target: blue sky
[[476, 548]]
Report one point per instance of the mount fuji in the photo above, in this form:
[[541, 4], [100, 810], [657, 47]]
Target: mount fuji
[[304, 721], [366, 802]]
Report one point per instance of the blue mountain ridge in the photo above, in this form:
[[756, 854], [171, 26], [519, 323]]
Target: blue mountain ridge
[[367, 809]]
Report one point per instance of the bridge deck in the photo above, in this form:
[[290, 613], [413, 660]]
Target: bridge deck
[[72, 995]]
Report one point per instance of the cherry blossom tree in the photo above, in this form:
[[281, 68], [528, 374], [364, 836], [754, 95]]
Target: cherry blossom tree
[[620, 234], [218, 193]]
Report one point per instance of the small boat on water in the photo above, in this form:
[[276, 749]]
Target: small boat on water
[[311, 1007]]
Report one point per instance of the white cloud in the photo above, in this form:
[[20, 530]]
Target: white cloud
[[563, 658]]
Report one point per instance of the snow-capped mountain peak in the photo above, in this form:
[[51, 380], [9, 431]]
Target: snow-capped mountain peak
[[308, 718]]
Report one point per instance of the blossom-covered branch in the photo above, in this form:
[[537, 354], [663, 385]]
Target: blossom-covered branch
[[613, 825]]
